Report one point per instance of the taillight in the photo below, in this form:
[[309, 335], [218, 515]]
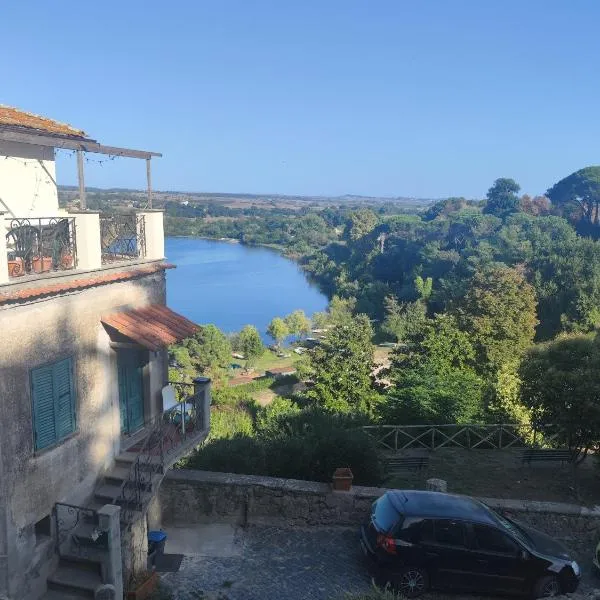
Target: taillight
[[386, 543]]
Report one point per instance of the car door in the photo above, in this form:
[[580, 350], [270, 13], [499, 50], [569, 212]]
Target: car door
[[444, 544], [498, 561]]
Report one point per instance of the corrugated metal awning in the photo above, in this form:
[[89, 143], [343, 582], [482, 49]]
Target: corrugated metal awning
[[153, 327]]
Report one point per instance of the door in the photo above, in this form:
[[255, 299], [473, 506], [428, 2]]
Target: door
[[500, 566], [131, 391], [449, 560]]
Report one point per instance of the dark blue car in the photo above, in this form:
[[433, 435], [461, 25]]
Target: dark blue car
[[417, 540]]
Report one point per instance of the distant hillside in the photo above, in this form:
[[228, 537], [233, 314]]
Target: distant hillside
[[119, 195]]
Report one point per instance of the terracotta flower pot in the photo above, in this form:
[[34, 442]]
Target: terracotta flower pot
[[41, 265], [15, 267], [66, 261], [144, 589], [342, 479]]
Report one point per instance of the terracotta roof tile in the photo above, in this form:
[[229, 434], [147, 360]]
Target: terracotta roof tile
[[153, 326], [13, 117], [52, 289]]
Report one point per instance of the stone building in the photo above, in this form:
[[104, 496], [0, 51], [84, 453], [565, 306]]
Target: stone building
[[83, 333]]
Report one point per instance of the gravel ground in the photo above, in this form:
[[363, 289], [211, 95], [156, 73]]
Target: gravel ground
[[292, 564]]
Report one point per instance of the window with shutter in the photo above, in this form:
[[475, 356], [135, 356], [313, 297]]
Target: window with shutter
[[53, 403]]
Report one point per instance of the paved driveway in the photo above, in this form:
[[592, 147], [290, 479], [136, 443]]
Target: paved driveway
[[268, 563]]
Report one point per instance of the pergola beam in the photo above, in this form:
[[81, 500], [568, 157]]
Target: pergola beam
[[85, 145]]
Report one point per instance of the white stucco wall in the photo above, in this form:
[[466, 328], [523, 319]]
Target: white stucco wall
[[27, 180]]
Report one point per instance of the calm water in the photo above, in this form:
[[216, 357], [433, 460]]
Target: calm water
[[232, 285]]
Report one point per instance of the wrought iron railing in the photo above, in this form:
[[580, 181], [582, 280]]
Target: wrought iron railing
[[168, 433], [471, 436], [122, 237], [40, 245], [78, 531]]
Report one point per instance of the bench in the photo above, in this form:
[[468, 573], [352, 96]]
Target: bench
[[548, 455], [406, 463]]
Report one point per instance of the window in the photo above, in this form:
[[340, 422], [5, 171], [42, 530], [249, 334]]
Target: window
[[449, 533], [490, 539], [385, 515], [53, 397], [411, 530]]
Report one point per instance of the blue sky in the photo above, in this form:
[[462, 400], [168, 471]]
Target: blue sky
[[426, 98]]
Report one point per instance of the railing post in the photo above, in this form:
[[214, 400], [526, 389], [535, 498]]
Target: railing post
[[87, 238], [4, 278], [154, 234], [202, 389], [109, 521]]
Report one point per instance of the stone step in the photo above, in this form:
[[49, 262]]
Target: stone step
[[107, 493], [81, 563], [126, 458], [118, 474], [63, 595], [71, 579]]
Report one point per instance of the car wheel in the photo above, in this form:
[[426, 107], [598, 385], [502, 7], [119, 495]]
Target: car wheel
[[411, 582], [546, 587]]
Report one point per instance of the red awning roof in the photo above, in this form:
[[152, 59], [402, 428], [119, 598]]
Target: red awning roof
[[153, 326]]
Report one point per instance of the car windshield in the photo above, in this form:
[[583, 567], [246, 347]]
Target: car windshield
[[385, 516], [513, 528]]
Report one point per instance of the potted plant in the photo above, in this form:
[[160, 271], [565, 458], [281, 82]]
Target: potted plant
[[42, 264], [342, 479], [143, 585]]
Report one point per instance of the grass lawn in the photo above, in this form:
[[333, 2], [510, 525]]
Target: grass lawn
[[270, 360], [500, 474]]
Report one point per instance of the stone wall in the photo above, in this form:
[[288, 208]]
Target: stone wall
[[188, 496]]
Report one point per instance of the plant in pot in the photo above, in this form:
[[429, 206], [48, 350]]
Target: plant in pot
[[342, 479], [143, 585]]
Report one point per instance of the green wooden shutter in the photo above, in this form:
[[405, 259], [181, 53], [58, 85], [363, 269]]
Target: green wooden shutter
[[64, 401], [42, 385]]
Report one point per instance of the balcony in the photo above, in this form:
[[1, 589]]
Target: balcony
[[36, 247]]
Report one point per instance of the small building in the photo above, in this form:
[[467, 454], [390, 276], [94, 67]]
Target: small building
[[83, 367]]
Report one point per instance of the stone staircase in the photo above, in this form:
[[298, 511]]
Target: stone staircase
[[131, 483]]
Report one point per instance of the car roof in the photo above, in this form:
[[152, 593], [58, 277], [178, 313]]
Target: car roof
[[417, 503]]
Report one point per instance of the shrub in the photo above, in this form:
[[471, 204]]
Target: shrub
[[229, 421], [240, 454]]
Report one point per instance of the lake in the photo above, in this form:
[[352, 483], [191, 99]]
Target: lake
[[232, 285]]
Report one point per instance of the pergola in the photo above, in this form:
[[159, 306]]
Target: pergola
[[81, 145]]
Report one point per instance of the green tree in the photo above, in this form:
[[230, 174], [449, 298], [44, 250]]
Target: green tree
[[560, 385], [499, 312], [580, 191], [341, 309], [433, 379], [502, 198], [341, 368], [360, 223], [424, 287], [403, 321], [320, 320], [278, 330], [250, 345], [210, 351], [298, 323]]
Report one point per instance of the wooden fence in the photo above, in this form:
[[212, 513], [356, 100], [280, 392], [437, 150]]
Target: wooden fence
[[433, 437]]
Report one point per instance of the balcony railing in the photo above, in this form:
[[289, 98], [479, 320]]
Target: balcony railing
[[170, 435], [40, 245], [122, 237]]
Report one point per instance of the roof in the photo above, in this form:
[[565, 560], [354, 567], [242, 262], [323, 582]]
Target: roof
[[417, 503], [153, 326], [26, 121], [52, 289]]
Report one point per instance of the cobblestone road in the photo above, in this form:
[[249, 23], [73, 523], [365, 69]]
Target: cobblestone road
[[273, 563]]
